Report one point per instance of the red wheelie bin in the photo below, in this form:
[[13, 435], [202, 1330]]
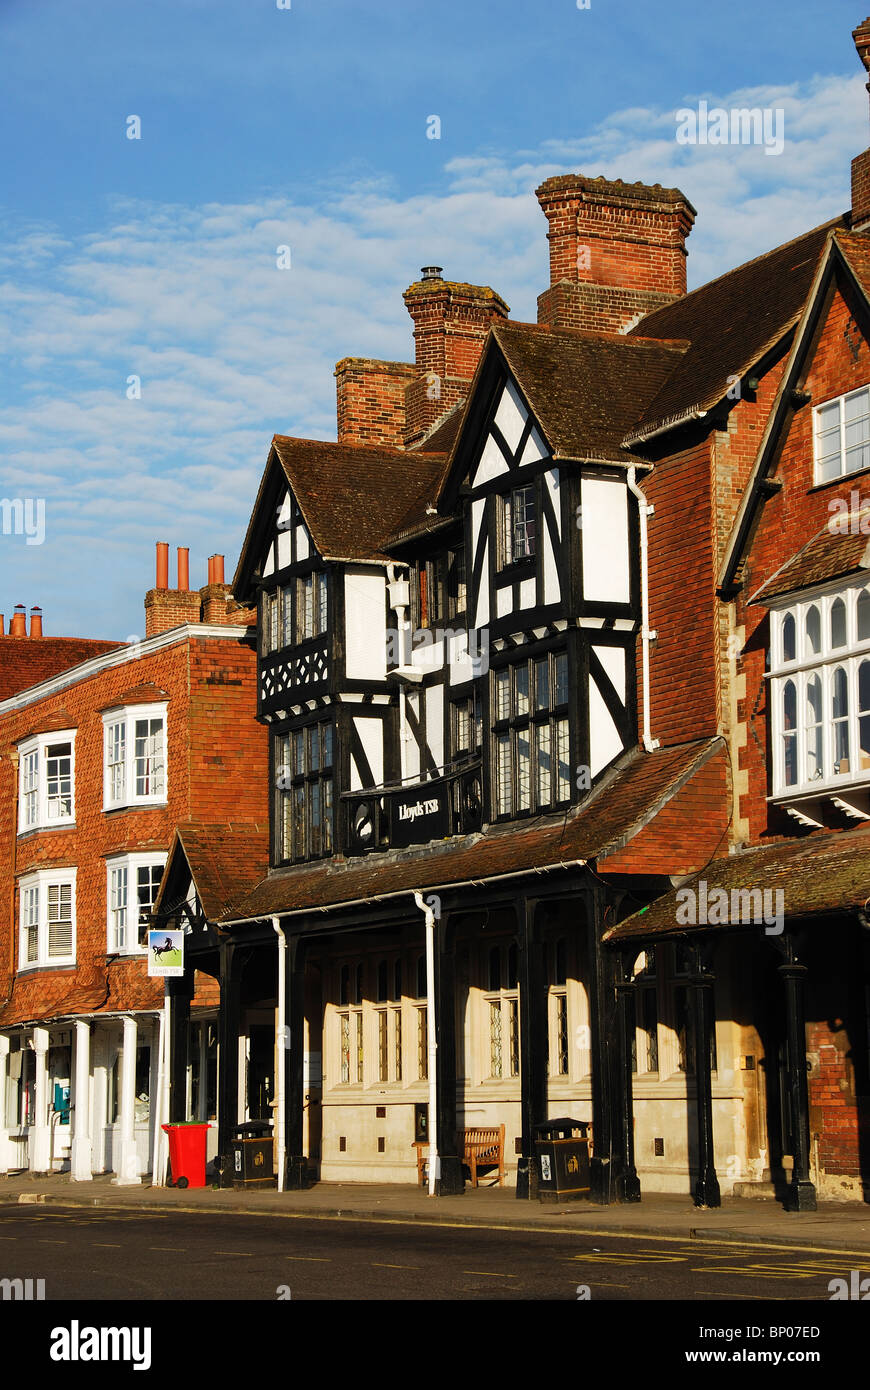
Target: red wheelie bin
[[187, 1142]]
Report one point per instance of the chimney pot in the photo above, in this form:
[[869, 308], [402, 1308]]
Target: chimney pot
[[18, 624], [218, 569], [162, 580], [183, 567], [431, 272], [2, 626], [36, 622], [211, 569]]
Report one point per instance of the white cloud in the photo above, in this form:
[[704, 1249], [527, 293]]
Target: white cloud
[[230, 349]]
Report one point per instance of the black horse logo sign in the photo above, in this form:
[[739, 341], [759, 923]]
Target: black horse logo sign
[[160, 950]]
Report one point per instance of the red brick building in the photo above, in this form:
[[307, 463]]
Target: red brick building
[[577, 626], [104, 750]]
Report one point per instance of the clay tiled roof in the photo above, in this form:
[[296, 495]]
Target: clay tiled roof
[[225, 861], [623, 804], [827, 556], [818, 874], [25, 661], [586, 389], [353, 496], [731, 322]]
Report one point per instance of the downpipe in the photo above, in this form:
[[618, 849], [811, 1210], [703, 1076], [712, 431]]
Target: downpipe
[[645, 510], [281, 1034]]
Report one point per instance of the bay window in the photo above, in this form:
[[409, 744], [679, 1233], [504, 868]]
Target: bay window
[[134, 767], [303, 825], [46, 781], [531, 742], [820, 691]]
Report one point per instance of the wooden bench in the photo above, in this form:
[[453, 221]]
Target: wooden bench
[[481, 1147]]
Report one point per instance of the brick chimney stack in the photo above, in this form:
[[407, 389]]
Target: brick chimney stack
[[370, 400], [617, 251], [861, 163], [451, 321]]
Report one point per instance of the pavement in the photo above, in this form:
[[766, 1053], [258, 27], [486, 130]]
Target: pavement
[[759, 1221]]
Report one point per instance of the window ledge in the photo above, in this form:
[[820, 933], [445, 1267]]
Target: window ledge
[[134, 806], [840, 478], [42, 829], [35, 967]]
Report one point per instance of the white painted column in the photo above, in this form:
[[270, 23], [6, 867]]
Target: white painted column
[[99, 1099], [4, 1094], [40, 1132], [127, 1163], [81, 1158]]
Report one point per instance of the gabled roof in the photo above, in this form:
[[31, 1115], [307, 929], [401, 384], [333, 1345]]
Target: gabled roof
[[586, 389], [828, 555], [730, 324], [352, 497], [225, 861], [624, 803], [818, 874], [843, 252], [25, 661]]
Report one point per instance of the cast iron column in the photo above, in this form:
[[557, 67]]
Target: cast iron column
[[229, 1028], [626, 1181], [293, 1062], [180, 994], [800, 1193], [451, 1181], [533, 1046], [706, 1193]]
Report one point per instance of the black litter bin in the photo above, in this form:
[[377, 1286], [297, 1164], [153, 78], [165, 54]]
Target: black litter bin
[[252, 1155], [563, 1159]]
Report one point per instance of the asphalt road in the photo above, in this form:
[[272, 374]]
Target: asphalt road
[[142, 1256]]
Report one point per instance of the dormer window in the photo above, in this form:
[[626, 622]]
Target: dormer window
[[518, 525], [820, 689], [842, 435]]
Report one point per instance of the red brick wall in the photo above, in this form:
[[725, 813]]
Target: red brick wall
[[451, 321], [840, 362], [681, 598], [604, 233], [370, 400], [217, 771]]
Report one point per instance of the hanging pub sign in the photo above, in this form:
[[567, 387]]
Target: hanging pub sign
[[166, 954], [418, 814]]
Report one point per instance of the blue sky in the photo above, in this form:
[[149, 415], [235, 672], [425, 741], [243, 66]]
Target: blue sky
[[306, 127]]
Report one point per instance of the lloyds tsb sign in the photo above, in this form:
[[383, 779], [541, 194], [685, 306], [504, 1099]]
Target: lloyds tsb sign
[[418, 814]]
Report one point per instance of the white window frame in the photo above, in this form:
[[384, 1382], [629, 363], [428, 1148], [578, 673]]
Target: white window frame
[[38, 747], [132, 863], [127, 715], [840, 402], [800, 670], [40, 882]]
